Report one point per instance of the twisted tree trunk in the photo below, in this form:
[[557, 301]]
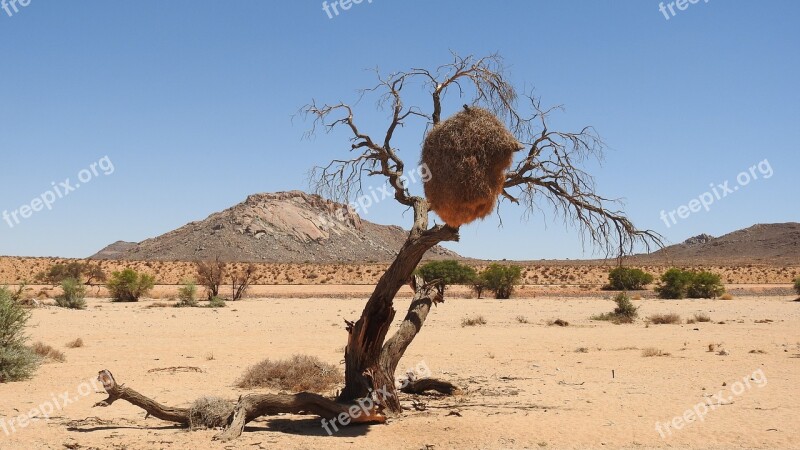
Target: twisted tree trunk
[[369, 363]]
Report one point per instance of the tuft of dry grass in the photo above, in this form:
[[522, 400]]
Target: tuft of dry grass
[[77, 343], [48, 353], [473, 321], [665, 319], [652, 351], [299, 373], [209, 412], [160, 305], [726, 296], [522, 319], [558, 322], [582, 350], [702, 317]]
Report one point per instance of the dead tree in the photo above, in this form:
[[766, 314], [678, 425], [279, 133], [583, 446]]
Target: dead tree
[[547, 170], [240, 281], [211, 274]]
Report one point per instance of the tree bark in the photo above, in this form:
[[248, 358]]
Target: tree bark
[[369, 364]]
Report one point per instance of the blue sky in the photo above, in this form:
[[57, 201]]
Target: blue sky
[[192, 102]]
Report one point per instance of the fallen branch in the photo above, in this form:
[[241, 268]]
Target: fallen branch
[[429, 384], [248, 408]]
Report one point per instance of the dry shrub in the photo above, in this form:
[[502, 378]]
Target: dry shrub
[[300, 373], [702, 317], [77, 343], [467, 156], [209, 412], [652, 351], [665, 319], [558, 322], [48, 353], [473, 321], [726, 296]]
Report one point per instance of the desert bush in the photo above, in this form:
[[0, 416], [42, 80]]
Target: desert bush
[[73, 295], [300, 373], [797, 285], [216, 302], [628, 279], [674, 284], [702, 317], [665, 319], [705, 285], [240, 281], [652, 351], [448, 271], [501, 279], [521, 319], [48, 353], [677, 284], [726, 296], [558, 322], [129, 285], [77, 343], [57, 273], [625, 312], [17, 361], [473, 321], [187, 295], [211, 274]]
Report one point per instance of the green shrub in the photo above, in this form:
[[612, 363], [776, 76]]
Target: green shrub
[[187, 295], [17, 361], [625, 312], [449, 271], [628, 279], [705, 285], [677, 284], [674, 284], [73, 295], [216, 302], [129, 285], [501, 279], [797, 285]]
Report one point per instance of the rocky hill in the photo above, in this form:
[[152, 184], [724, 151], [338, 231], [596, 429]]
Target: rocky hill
[[284, 227], [777, 243]]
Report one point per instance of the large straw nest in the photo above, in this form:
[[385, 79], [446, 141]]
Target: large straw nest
[[467, 156]]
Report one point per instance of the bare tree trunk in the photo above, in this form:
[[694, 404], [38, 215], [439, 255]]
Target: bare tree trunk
[[369, 364]]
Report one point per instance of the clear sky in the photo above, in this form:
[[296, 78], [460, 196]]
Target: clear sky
[[191, 101]]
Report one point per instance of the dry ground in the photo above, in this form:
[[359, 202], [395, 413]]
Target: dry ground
[[528, 385]]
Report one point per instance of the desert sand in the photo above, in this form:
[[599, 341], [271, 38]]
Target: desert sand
[[525, 385]]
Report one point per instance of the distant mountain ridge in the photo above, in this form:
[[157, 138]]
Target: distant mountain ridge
[[281, 227], [777, 243]]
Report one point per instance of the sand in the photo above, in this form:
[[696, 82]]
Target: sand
[[527, 385]]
